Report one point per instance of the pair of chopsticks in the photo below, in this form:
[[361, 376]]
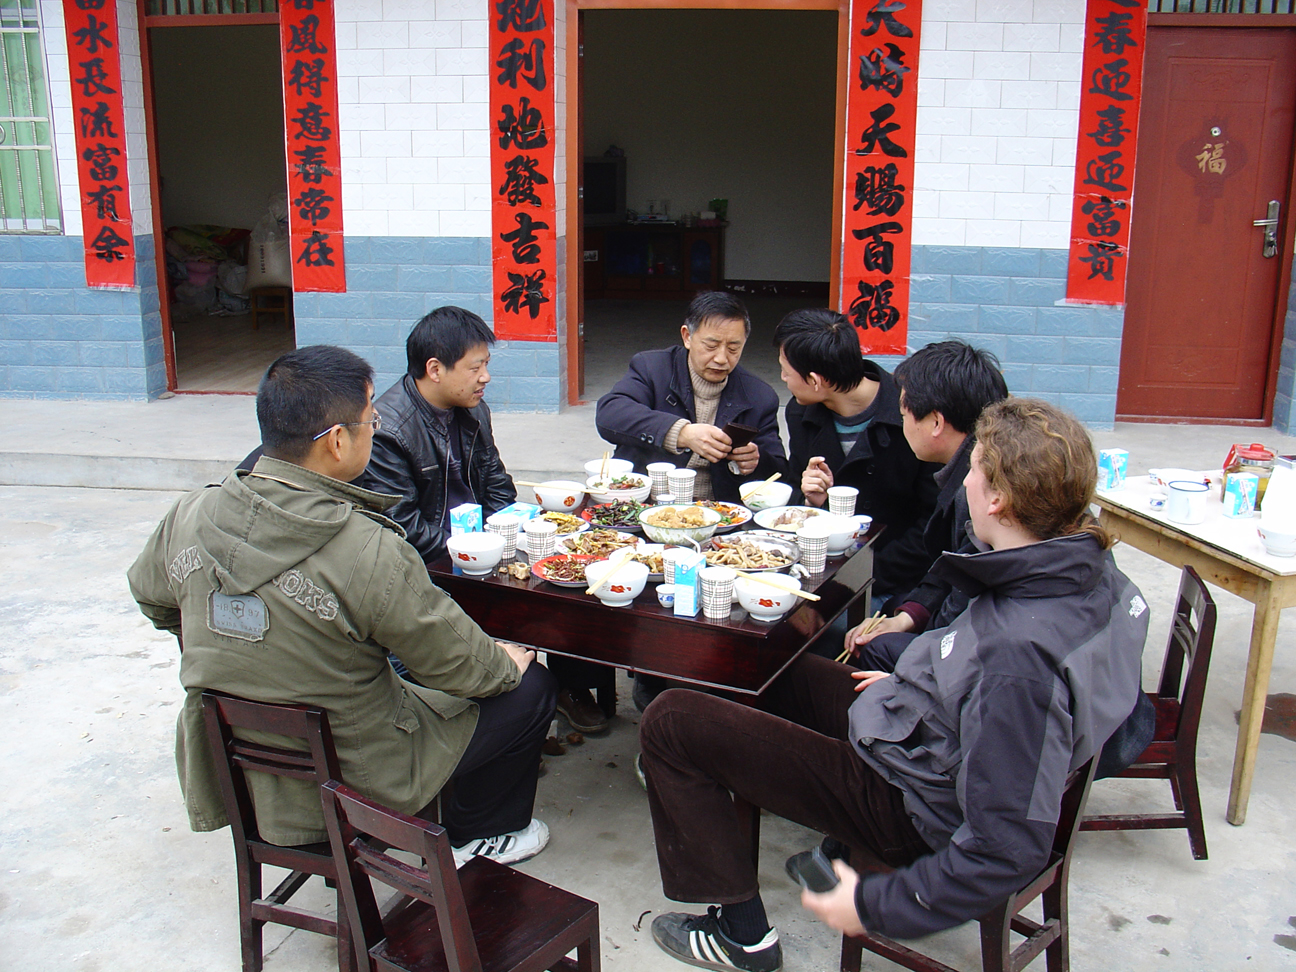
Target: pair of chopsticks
[[615, 563], [869, 626], [769, 580], [603, 468], [761, 487]]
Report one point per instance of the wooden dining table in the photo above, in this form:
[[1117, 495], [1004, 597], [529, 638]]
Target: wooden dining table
[[738, 654], [1226, 552]]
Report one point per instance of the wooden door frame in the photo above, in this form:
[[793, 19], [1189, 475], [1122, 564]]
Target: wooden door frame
[[147, 21], [573, 107], [1278, 323]]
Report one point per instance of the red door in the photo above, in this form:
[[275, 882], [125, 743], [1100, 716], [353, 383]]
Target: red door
[[1214, 148]]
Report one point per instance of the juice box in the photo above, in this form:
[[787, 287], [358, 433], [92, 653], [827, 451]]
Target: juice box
[[688, 586], [466, 518], [1240, 494], [1112, 464]]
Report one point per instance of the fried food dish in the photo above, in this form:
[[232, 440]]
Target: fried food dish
[[744, 555], [729, 513], [565, 522], [653, 561], [687, 518], [566, 569], [622, 513], [598, 543]]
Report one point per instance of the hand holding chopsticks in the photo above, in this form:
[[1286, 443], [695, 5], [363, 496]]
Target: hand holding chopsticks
[[867, 628]]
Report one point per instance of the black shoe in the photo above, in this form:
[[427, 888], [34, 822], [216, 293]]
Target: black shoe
[[698, 940], [581, 710], [835, 850], [647, 688]]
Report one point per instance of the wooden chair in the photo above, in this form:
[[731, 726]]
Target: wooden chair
[[483, 918], [997, 953], [1172, 754], [233, 758], [272, 301]]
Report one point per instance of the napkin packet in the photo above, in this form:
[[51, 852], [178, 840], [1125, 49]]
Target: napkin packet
[[1112, 466], [466, 518], [1240, 494], [688, 586], [523, 511]]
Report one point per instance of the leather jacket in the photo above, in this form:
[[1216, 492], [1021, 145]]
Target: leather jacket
[[409, 460]]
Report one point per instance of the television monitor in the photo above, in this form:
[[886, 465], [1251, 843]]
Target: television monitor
[[605, 191]]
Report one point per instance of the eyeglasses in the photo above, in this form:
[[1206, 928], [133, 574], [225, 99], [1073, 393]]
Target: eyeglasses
[[376, 422]]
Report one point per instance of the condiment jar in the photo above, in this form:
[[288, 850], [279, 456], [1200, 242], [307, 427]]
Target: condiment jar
[[1255, 459]]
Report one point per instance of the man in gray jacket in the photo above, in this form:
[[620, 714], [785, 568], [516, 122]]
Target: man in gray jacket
[[952, 769]]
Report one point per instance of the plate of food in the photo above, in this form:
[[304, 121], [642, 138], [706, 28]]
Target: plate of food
[[565, 570], [618, 515], [732, 516], [597, 543], [751, 554], [566, 523], [786, 519], [650, 555]]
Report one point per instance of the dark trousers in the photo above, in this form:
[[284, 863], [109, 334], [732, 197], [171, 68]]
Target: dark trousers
[[495, 781], [793, 759], [882, 653]]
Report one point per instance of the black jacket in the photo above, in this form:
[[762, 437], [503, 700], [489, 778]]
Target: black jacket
[[409, 459], [656, 393], [895, 487], [934, 598]]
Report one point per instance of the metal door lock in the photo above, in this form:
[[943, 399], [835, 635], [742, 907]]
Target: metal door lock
[[1270, 225]]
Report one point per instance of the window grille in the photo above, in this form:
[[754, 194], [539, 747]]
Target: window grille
[[1223, 6], [29, 191], [182, 8]]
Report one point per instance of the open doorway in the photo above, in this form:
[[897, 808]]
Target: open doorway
[[696, 106], [218, 126]]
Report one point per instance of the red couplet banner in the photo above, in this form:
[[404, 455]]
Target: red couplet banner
[[881, 116], [95, 62], [309, 59], [1111, 84], [524, 221]]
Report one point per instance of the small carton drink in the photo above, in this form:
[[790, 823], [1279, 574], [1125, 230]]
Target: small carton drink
[[1112, 464], [1240, 494], [466, 518], [688, 586]]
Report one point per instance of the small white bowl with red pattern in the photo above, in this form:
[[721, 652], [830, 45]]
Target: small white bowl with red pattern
[[626, 583], [764, 602], [476, 554]]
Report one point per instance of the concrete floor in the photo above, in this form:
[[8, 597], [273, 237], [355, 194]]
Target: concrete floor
[[100, 871]]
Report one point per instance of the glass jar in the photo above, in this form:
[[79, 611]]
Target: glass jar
[[1255, 459]]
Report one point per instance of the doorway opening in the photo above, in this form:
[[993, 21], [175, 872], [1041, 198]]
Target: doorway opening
[[218, 158], [709, 140]]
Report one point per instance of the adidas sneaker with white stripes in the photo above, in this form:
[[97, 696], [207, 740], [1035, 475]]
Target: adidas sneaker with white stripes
[[698, 940], [510, 848]]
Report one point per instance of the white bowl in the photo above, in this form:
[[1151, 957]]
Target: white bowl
[[775, 494], [1280, 540], [763, 602], [560, 495], [599, 493], [615, 467], [627, 582], [476, 553], [841, 531], [680, 536]]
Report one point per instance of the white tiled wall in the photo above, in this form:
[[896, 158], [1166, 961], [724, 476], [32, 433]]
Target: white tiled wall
[[997, 103]]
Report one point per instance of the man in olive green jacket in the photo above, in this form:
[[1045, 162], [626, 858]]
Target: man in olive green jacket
[[287, 584]]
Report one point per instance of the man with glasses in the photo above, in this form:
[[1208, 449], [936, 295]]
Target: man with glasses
[[287, 584]]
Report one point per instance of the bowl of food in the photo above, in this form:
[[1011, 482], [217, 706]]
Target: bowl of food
[[614, 468], [763, 496], [841, 531], [559, 495], [679, 524], [622, 587], [765, 602], [476, 554], [787, 519], [626, 486]]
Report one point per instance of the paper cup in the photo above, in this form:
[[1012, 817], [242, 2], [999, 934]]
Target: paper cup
[[841, 500], [541, 538], [657, 472], [668, 564], [717, 592], [681, 484], [507, 527], [814, 549]]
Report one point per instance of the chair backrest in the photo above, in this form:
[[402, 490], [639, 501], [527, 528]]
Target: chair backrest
[[233, 756], [1188, 650], [1074, 798], [351, 820]]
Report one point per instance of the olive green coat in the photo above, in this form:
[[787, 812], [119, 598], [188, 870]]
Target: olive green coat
[[339, 584]]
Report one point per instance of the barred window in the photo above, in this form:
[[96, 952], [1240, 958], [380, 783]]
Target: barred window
[[1223, 6], [184, 8], [29, 191]]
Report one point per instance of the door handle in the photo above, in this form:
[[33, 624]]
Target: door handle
[[1270, 224]]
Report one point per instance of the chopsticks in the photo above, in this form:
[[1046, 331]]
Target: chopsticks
[[761, 487], [869, 626], [769, 580], [615, 562], [603, 468]]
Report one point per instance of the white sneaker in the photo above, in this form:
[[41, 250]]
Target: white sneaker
[[520, 845]]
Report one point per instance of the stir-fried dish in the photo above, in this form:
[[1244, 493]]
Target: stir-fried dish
[[670, 518], [565, 522], [621, 513], [598, 543], [745, 555]]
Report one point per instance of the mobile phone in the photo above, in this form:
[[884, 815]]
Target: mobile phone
[[739, 434], [812, 870]]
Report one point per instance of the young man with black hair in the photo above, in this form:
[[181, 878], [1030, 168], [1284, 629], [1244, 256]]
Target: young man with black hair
[[287, 584], [845, 429], [436, 450], [673, 404]]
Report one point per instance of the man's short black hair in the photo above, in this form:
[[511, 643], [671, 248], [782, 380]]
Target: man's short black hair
[[716, 305], [447, 334], [953, 378], [822, 341], [307, 391]]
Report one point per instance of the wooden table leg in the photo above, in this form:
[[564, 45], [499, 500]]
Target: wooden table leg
[[1255, 690]]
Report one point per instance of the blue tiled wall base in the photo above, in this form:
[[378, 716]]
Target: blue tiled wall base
[[1004, 300], [392, 282], [61, 339], [1284, 417]]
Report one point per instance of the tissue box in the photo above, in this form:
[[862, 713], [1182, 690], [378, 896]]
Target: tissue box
[[1240, 494], [466, 518], [1112, 464], [523, 511], [688, 586]]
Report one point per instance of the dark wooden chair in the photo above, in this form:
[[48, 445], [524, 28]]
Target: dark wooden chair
[[234, 757], [997, 925], [483, 918], [1172, 754]]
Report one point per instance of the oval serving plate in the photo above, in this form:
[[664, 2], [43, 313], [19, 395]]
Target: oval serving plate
[[633, 526], [581, 525], [538, 569], [734, 515], [780, 544], [646, 550], [588, 546], [770, 519]]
